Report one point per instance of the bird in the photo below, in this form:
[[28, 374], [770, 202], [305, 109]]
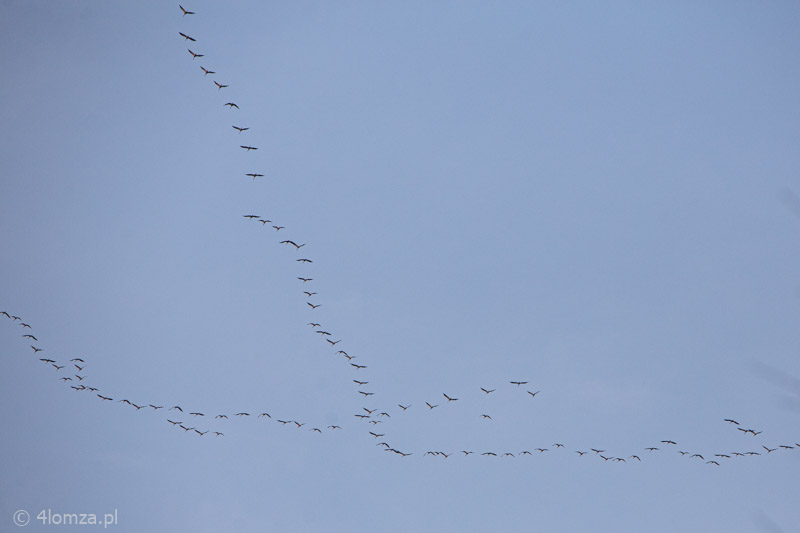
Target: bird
[[197, 414], [178, 407], [206, 72], [668, 442], [431, 406], [240, 130], [242, 414], [248, 148], [697, 455], [518, 383], [232, 105], [313, 324], [449, 399], [310, 294], [316, 429], [80, 368], [488, 391], [254, 176], [5, 313], [186, 37], [334, 343], [24, 325], [185, 12], [533, 394], [156, 407], [278, 228], [334, 427], [29, 336], [106, 398], [769, 450], [304, 280], [581, 453], [358, 367], [58, 367], [218, 434], [284, 422], [82, 387], [313, 306], [635, 457], [66, 379], [194, 55], [219, 85], [46, 360], [173, 422], [251, 217], [77, 359], [264, 414], [298, 424], [35, 349], [403, 407], [366, 393], [376, 435], [731, 421], [712, 463], [304, 260], [486, 416], [557, 445], [651, 449], [489, 453]]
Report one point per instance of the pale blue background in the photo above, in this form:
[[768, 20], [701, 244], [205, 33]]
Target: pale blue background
[[599, 198]]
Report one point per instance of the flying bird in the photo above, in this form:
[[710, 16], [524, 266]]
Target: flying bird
[[488, 391], [232, 105], [186, 37], [313, 306], [518, 383], [449, 399], [206, 72], [254, 176], [194, 55], [248, 148], [304, 260], [185, 12], [731, 421], [431, 406], [240, 130], [219, 85], [403, 407], [304, 280]]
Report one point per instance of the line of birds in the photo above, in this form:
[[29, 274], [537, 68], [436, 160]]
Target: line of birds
[[372, 416]]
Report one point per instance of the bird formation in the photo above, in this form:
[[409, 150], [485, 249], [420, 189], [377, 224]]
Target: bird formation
[[198, 422]]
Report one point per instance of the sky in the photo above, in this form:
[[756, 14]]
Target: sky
[[602, 201]]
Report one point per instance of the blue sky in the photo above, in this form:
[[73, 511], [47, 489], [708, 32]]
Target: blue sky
[[598, 200]]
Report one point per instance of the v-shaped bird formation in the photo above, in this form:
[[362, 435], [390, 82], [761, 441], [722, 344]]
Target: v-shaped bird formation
[[375, 420]]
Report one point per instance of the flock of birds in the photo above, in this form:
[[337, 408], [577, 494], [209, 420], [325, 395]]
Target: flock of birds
[[372, 420]]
